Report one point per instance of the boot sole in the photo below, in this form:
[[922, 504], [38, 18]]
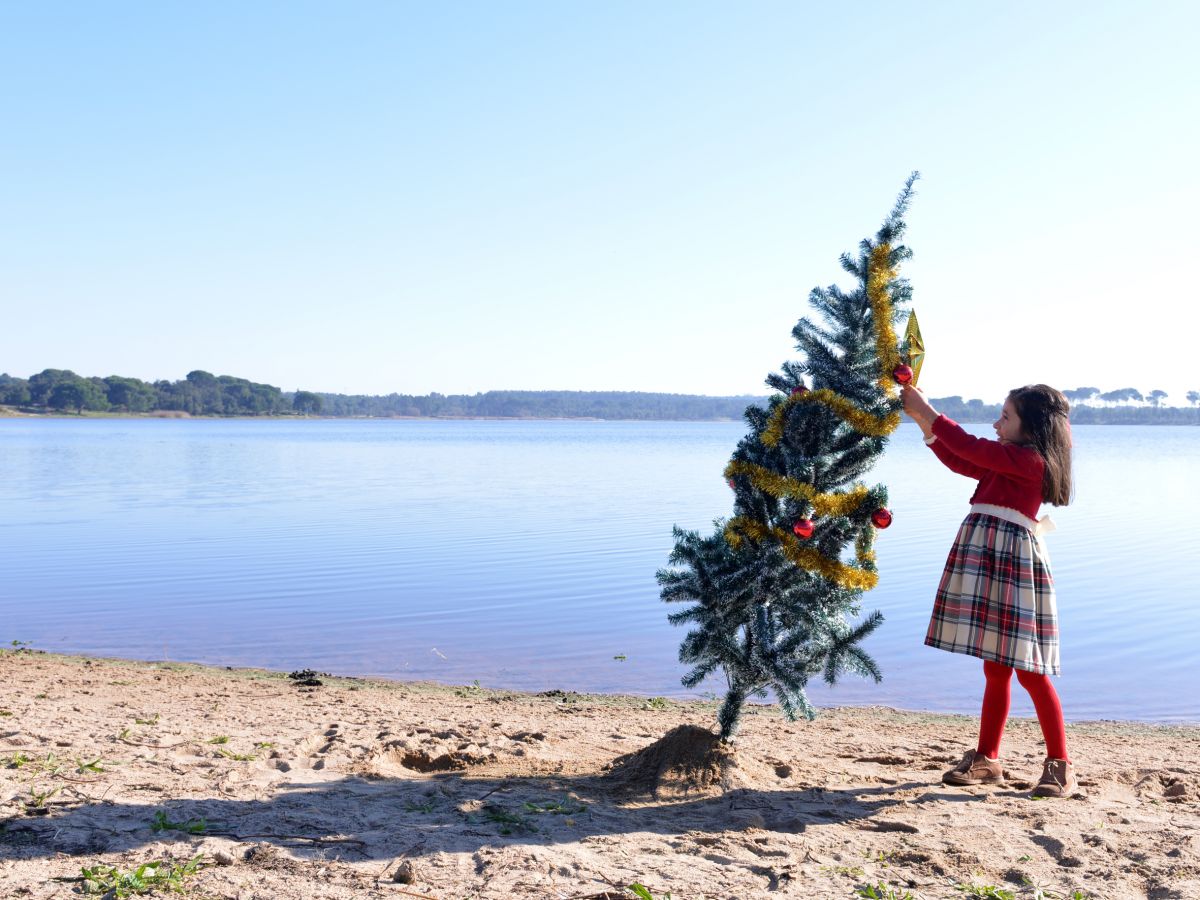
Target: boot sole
[[969, 782], [1064, 794]]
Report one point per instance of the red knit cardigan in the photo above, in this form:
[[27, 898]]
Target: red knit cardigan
[[1009, 475]]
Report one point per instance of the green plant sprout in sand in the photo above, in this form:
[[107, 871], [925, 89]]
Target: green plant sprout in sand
[[506, 819], [37, 801], [985, 891], [17, 760], [111, 882], [191, 826], [568, 806], [50, 766], [83, 768], [882, 891], [239, 757], [1045, 893], [474, 689], [643, 893]]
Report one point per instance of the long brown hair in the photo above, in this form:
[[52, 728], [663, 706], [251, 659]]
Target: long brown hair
[[1044, 413]]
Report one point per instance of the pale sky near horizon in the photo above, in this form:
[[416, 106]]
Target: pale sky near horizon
[[370, 197]]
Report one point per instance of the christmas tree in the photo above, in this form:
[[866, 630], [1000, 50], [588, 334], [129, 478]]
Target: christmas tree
[[774, 589]]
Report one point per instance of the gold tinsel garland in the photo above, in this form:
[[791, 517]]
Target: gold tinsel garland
[[861, 421], [780, 486], [879, 275], [808, 558]]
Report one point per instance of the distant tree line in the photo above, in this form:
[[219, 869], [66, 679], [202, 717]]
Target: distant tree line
[[543, 405], [199, 394], [1090, 406], [1092, 396], [204, 394]]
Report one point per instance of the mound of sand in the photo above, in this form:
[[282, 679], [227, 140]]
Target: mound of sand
[[687, 762]]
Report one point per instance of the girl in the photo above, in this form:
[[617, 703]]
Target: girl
[[996, 597]]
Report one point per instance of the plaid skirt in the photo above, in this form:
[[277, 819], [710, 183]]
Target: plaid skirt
[[996, 597]]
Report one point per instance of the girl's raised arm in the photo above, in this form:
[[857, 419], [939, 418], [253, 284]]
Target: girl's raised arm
[[954, 462], [1008, 459], [922, 412]]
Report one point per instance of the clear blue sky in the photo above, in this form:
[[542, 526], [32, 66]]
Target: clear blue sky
[[370, 197]]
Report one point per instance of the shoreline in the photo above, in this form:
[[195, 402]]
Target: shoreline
[[367, 787], [173, 416], [710, 703]]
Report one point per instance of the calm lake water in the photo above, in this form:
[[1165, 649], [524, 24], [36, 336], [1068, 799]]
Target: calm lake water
[[522, 554]]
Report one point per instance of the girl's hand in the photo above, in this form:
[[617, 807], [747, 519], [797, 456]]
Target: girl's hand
[[917, 407], [912, 398]]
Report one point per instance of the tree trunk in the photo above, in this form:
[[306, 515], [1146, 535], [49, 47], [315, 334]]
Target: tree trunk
[[730, 715]]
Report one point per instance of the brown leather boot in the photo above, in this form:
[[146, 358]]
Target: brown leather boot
[[975, 768], [1058, 779]]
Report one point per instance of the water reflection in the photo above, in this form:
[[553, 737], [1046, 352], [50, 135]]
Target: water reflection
[[523, 554]]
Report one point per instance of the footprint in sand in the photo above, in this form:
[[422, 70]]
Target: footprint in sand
[[889, 760], [424, 751], [318, 746], [1166, 784]]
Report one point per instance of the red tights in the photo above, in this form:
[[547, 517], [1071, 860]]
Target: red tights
[[996, 703]]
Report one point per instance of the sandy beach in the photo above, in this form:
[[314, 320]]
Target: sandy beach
[[354, 788]]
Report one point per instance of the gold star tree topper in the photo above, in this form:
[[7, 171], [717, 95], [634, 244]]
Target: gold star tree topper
[[914, 346]]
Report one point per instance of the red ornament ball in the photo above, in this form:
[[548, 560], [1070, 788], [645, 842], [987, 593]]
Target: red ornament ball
[[882, 518], [732, 486], [903, 374], [804, 528], [799, 390]]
